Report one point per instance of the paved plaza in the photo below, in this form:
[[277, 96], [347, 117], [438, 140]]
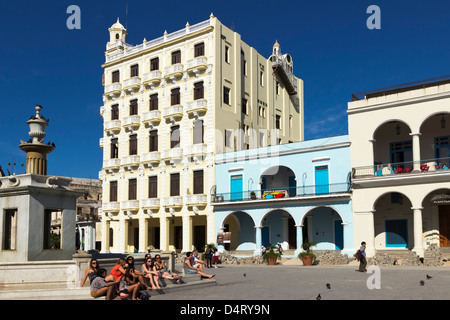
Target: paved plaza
[[294, 282]]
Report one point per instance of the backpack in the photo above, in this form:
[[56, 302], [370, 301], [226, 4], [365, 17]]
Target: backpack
[[358, 255]]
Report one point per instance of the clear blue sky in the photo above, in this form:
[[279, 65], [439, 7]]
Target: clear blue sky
[[44, 62]]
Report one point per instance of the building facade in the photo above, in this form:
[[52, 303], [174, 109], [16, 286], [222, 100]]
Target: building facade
[[170, 105], [286, 194], [400, 159]]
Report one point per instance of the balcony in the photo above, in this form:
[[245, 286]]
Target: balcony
[[114, 89], [130, 205], [101, 143], [153, 157], [152, 79], [197, 107], [197, 200], [113, 126], [173, 113], [151, 118], [284, 194], [197, 65], [175, 201], [132, 84], [402, 169], [196, 149], [153, 203], [174, 153], [111, 164], [173, 72], [131, 161], [131, 122], [111, 206]]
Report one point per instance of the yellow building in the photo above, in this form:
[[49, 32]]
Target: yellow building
[[170, 105]]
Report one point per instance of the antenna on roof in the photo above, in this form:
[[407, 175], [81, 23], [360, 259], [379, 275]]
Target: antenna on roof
[[126, 19]]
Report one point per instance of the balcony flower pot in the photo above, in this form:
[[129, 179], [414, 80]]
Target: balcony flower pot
[[252, 195], [307, 257]]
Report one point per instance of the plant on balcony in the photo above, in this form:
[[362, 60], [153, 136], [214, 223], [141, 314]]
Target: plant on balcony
[[307, 256], [270, 255], [253, 195]]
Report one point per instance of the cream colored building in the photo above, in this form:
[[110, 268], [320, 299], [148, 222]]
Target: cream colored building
[[171, 104], [400, 161]]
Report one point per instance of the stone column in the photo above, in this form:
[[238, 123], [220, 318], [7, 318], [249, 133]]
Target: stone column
[[416, 150], [418, 232], [299, 239]]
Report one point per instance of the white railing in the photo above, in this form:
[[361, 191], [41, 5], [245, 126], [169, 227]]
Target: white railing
[[152, 75], [109, 206], [131, 120], [175, 68], [130, 160], [152, 156], [196, 104], [196, 149], [130, 204], [101, 142], [195, 62], [135, 81], [172, 110], [113, 124], [111, 163], [151, 115], [197, 199], [172, 153], [113, 87], [150, 203], [172, 201]]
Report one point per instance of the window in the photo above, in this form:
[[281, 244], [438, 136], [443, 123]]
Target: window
[[116, 76], [132, 189], [175, 136], [134, 71], [262, 142], [277, 122], [114, 148], [401, 151], [175, 97], [199, 50], [113, 191], [226, 95], [198, 131], [154, 64], [154, 102], [291, 121], [153, 187], [133, 144], [174, 184], [228, 134], [244, 106], [115, 112], [261, 78], [10, 229], [198, 182], [133, 107], [176, 57], [153, 140], [52, 229], [227, 54], [442, 147], [198, 91], [277, 88], [244, 64]]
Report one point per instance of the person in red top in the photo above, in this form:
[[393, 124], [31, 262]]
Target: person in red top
[[117, 271]]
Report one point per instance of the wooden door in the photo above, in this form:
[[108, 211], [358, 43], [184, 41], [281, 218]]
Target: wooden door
[[444, 226]]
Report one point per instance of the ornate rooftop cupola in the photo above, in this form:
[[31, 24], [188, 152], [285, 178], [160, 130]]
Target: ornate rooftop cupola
[[283, 66], [35, 148]]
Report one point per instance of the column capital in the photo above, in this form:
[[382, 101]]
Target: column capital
[[417, 208], [415, 134]]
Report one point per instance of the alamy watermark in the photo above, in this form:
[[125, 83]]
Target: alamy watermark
[[74, 20], [374, 21]]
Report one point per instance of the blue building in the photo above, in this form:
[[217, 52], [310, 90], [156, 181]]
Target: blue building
[[285, 194]]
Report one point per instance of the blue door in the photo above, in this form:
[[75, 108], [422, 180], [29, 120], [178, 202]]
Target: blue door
[[338, 234], [265, 238], [236, 188], [321, 180], [396, 233], [292, 186]]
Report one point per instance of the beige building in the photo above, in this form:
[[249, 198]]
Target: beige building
[[170, 105], [400, 161]]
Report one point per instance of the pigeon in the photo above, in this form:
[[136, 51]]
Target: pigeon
[[429, 277], [328, 286], [422, 283], [318, 297]]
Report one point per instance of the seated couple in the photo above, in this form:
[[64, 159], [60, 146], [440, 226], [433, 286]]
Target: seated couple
[[193, 265]]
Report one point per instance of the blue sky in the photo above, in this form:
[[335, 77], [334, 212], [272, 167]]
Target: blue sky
[[44, 62]]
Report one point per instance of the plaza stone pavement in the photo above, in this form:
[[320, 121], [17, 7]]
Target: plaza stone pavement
[[296, 282]]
